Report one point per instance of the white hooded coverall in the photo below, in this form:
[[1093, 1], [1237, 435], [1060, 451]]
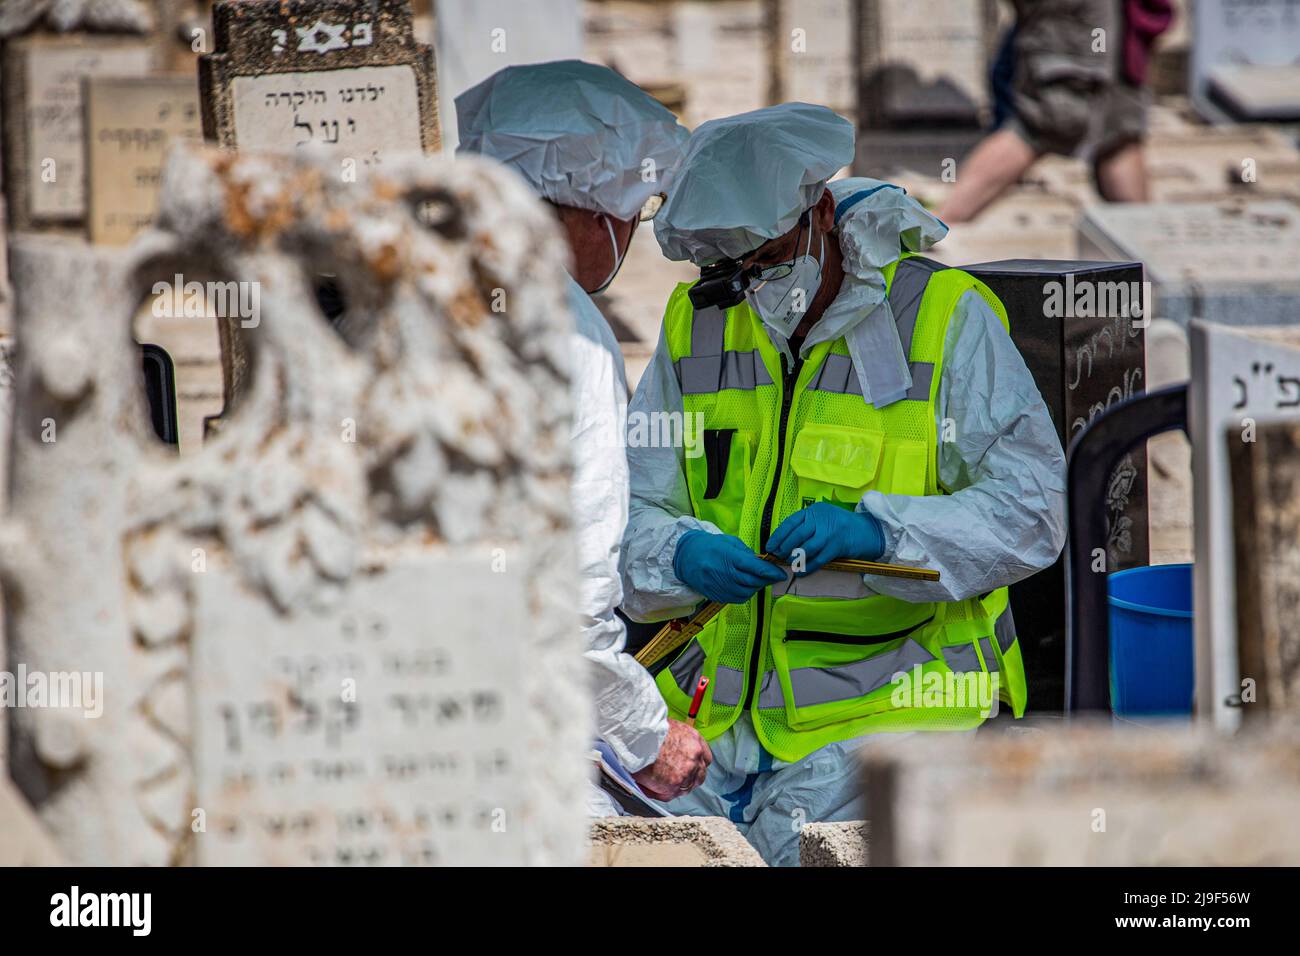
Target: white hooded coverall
[[1002, 520]]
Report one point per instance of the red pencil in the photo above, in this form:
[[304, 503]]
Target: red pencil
[[697, 700]]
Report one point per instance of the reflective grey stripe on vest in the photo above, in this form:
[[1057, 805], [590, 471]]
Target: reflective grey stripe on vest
[[824, 685], [911, 276], [906, 291], [686, 669], [728, 683], [1004, 629], [823, 583], [962, 657], [708, 331], [838, 375], [990, 659], [702, 374]]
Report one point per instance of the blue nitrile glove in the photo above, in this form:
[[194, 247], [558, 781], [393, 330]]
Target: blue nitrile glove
[[721, 567], [826, 532]]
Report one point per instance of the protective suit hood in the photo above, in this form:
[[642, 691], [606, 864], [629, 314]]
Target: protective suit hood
[[746, 179], [875, 222], [579, 133]]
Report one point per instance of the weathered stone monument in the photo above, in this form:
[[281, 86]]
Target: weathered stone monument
[[344, 75], [47, 53], [1080, 327], [665, 841], [342, 632], [1241, 379]]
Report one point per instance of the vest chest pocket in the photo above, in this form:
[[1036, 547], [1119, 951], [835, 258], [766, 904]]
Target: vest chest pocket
[[838, 463], [719, 475]]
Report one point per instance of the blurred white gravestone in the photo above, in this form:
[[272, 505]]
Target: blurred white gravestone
[[476, 39], [1230, 262], [130, 123], [813, 52], [1085, 795], [1240, 377], [925, 61], [342, 632], [1245, 59], [44, 133]]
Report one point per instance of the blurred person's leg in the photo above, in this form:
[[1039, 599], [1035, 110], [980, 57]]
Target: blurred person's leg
[[1063, 67], [1122, 176], [1119, 165], [994, 165]]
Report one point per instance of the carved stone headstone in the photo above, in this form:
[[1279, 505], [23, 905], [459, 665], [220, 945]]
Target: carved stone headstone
[[130, 122], [1243, 59], [812, 52], [44, 117], [922, 83], [1241, 378], [1228, 262], [342, 632], [1266, 533], [1079, 327], [1085, 796], [924, 63], [345, 75]]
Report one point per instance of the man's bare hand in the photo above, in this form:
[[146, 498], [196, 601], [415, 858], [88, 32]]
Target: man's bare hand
[[681, 765]]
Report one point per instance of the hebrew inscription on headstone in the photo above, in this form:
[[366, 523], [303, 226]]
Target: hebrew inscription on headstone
[[345, 75], [1241, 378], [130, 123]]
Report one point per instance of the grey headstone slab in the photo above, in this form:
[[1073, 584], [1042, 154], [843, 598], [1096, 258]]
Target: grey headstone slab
[[346, 74], [1258, 92], [1239, 32], [1239, 377], [44, 141], [924, 61]]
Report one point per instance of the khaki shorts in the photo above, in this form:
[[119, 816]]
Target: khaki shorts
[[1064, 94]]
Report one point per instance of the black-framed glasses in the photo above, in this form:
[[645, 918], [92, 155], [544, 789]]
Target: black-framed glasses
[[781, 270]]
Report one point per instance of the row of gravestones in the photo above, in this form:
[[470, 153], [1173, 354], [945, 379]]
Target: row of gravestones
[[328, 639]]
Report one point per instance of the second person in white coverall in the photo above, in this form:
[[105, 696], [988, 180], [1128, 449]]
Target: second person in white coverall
[[752, 182], [601, 151]]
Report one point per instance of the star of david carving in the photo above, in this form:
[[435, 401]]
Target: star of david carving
[[321, 37]]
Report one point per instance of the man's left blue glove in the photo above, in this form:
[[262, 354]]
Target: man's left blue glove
[[825, 532]]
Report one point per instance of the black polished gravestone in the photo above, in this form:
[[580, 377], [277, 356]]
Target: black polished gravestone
[[1080, 327]]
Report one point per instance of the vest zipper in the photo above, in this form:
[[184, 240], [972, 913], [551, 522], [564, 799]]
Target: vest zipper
[[788, 381]]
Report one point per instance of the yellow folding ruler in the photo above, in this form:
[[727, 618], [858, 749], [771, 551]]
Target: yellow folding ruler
[[676, 633]]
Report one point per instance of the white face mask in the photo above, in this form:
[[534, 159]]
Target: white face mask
[[781, 302], [618, 259]]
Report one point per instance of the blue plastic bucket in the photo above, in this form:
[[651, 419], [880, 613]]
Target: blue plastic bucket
[[1151, 657]]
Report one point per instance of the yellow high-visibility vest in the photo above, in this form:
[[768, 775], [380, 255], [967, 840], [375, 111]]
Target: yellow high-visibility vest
[[822, 659]]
